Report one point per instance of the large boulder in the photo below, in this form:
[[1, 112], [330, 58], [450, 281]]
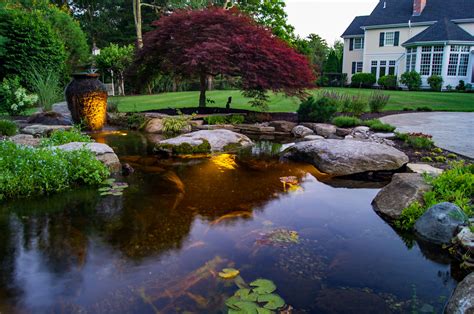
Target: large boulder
[[103, 153], [49, 118], [462, 300], [404, 189], [282, 126], [301, 131], [346, 157], [323, 129], [154, 125], [205, 141], [439, 223]]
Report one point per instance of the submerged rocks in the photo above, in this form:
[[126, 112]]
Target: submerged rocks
[[103, 153], [439, 223], [346, 157], [205, 141], [301, 131], [404, 189], [462, 300]]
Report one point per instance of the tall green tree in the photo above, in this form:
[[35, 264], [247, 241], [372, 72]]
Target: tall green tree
[[117, 59]]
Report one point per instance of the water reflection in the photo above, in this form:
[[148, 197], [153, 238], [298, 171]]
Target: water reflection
[[160, 245]]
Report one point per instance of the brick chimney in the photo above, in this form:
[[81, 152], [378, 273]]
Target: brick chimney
[[418, 7]]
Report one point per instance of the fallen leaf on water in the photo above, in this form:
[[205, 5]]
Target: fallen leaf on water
[[229, 273]]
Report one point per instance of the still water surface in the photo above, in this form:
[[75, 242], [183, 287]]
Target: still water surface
[[159, 247]]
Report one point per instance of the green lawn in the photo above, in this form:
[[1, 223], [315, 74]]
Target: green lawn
[[280, 103]]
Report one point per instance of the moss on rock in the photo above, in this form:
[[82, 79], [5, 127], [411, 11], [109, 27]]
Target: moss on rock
[[186, 148]]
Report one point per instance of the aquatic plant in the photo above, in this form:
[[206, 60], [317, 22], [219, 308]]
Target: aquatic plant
[[110, 187], [279, 237], [229, 273], [258, 298]]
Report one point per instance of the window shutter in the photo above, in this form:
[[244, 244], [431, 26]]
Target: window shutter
[[397, 39], [354, 65], [382, 39], [351, 44]]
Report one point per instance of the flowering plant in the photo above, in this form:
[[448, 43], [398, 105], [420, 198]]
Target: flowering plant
[[15, 99]]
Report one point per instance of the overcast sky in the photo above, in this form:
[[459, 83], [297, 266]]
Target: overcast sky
[[327, 18]]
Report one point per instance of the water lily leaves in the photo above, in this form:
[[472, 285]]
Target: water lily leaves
[[229, 273], [263, 286], [246, 295], [247, 307], [272, 301], [230, 302], [112, 188]]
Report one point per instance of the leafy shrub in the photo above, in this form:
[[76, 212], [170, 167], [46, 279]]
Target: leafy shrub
[[357, 106], [60, 137], [411, 79], [388, 81], [416, 140], [320, 110], [440, 159], [45, 83], [26, 171], [346, 121], [378, 126], [32, 41], [236, 119], [461, 86], [407, 109], [378, 101], [14, 99], [436, 82], [7, 128], [455, 185], [365, 80], [135, 121], [176, 124]]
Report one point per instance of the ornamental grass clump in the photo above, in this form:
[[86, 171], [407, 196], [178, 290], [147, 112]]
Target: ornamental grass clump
[[378, 101], [346, 121], [7, 128], [26, 171]]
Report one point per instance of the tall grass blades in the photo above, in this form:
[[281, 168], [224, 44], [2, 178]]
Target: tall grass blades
[[45, 83]]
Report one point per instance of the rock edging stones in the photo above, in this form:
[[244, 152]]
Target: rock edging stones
[[104, 153], [346, 157], [205, 141], [401, 192], [462, 300]]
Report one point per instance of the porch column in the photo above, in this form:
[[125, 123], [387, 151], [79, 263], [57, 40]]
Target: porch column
[[444, 69], [418, 59]]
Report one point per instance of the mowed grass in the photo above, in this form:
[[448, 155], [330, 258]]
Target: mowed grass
[[279, 103]]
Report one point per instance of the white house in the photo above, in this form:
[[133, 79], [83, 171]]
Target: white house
[[432, 37]]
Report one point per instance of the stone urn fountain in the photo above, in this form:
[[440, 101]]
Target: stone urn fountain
[[87, 100]]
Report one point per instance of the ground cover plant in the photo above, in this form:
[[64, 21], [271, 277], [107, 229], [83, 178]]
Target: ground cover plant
[[416, 140], [26, 171], [455, 185], [60, 137], [346, 121], [378, 126]]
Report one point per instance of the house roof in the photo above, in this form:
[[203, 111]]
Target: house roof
[[401, 11], [444, 30], [356, 26]]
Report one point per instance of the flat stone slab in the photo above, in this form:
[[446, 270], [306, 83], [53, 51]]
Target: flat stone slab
[[452, 131], [424, 168], [43, 130], [25, 139]]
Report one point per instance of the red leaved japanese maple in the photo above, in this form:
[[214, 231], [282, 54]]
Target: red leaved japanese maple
[[200, 43]]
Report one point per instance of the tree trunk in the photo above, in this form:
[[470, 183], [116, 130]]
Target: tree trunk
[[202, 96], [137, 14]]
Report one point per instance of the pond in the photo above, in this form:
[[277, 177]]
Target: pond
[[160, 246]]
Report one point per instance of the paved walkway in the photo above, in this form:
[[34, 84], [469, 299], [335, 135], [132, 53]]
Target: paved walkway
[[453, 131]]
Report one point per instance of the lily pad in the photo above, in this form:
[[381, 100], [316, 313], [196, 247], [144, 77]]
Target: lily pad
[[230, 302], [229, 273], [261, 310], [106, 189], [109, 181], [247, 307], [272, 301], [263, 286], [246, 295], [105, 193]]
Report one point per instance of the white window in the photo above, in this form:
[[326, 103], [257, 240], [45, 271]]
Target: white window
[[389, 39], [411, 59], [431, 60], [458, 61], [358, 43]]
